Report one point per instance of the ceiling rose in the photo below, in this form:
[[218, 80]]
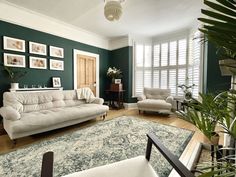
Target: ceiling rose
[[113, 9]]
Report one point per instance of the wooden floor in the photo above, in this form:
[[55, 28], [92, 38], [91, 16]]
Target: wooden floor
[[6, 144]]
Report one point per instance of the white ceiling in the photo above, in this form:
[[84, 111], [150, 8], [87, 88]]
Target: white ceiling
[[140, 17]]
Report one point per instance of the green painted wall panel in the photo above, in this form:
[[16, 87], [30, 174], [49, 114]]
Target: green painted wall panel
[[36, 76], [214, 82], [123, 59]]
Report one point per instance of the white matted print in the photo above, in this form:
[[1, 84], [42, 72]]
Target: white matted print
[[56, 52], [38, 63], [14, 44], [14, 60], [37, 48], [56, 65], [56, 82]]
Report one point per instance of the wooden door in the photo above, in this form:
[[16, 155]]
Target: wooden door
[[86, 72]]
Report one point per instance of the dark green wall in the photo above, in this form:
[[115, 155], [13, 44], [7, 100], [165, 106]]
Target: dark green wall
[[214, 82], [123, 59], [36, 76]]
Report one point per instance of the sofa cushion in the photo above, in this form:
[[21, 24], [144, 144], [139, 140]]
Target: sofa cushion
[[153, 104], [9, 113], [45, 118], [36, 101]]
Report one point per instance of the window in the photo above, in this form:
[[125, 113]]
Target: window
[[167, 65]]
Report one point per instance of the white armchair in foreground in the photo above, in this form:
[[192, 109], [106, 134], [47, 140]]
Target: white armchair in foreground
[[156, 100]]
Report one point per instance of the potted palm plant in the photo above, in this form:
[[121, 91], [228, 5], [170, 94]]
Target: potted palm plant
[[219, 27]]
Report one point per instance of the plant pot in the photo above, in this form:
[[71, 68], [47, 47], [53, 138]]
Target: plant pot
[[15, 86], [227, 67], [215, 138]]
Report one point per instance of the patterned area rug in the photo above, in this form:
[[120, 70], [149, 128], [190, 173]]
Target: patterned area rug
[[103, 143]]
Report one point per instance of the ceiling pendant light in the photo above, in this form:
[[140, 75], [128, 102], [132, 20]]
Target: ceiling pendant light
[[113, 9]]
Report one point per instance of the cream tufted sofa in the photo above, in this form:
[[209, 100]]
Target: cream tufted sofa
[[29, 113], [156, 100]]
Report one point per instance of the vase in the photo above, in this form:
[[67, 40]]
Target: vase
[[215, 139], [14, 86]]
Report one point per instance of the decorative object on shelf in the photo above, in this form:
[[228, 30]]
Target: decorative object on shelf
[[114, 73], [117, 81], [56, 81], [56, 65], [38, 63], [187, 91], [37, 48], [113, 9], [14, 44], [56, 52], [14, 76], [14, 60]]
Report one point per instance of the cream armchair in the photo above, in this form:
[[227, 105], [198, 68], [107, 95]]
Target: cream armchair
[[156, 100]]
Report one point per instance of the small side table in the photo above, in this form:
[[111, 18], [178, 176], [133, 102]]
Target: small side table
[[180, 103], [116, 96]]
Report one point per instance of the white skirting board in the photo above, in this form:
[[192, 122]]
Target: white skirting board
[[130, 105]]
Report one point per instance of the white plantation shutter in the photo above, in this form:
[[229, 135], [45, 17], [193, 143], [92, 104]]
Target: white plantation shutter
[[148, 78], [148, 56], [164, 54], [139, 82], [182, 51], [173, 52], [167, 65], [156, 80], [181, 80], [172, 81], [139, 56], [156, 56], [164, 79], [196, 50]]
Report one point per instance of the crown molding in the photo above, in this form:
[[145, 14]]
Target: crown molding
[[24, 17]]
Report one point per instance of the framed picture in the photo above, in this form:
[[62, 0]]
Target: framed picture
[[37, 48], [14, 44], [56, 65], [117, 81], [56, 52], [38, 63], [14, 60], [56, 81]]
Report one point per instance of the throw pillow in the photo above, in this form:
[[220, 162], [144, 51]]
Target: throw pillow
[[9, 113]]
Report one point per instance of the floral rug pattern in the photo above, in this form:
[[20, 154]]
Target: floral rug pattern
[[103, 143]]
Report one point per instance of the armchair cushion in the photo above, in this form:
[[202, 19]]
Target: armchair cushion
[[141, 97], [9, 113], [156, 93], [135, 167], [170, 99]]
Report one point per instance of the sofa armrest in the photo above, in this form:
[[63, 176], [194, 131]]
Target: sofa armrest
[[170, 99], [97, 100], [141, 97], [9, 113]]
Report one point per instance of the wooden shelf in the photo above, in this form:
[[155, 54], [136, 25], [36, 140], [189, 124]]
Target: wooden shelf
[[36, 89]]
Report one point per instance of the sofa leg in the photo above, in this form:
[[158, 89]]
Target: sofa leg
[[104, 117], [13, 143]]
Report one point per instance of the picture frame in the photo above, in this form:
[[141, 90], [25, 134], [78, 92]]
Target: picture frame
[[13, 60], [117, 81], [56, 81], [37, 63], [56, 65], [56, 52], [37, 48], [14, 44]]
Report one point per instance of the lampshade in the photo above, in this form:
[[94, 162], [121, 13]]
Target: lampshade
[[113, 10]]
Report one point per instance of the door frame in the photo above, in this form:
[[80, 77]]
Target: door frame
[[80, 52]]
